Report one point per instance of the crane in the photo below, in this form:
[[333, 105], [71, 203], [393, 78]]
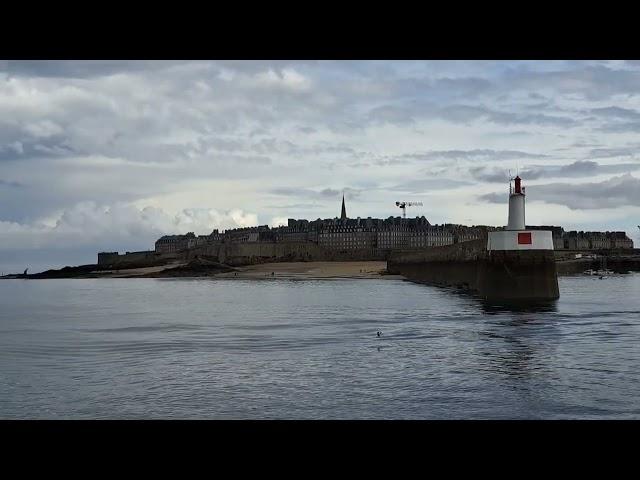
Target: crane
[[404, 205]]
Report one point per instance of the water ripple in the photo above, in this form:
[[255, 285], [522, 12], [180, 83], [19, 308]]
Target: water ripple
[[146, 348]]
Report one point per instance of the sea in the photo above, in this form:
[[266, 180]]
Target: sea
[[310, 349]]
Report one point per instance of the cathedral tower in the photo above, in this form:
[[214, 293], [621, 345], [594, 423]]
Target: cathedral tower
[[343, 215]]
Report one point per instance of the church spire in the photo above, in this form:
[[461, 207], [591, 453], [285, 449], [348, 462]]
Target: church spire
[[343, 215]]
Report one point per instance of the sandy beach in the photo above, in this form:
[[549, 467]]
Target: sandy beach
[[137, 272], [312, 270]]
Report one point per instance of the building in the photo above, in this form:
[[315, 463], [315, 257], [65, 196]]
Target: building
[[175, 243], [620, 240], [248, 234], [574, 240], [431, 236], [347, 237]]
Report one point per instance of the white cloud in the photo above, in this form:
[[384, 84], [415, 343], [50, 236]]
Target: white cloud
[[115, 226], [44, 128], [279, 221]]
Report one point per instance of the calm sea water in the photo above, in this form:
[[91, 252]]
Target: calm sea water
[[277, 349]]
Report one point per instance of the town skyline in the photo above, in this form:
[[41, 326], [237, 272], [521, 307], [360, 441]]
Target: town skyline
[[106, 155]]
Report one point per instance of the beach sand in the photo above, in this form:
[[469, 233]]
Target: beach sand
[[137, 272], [286, 270], [312, 270]]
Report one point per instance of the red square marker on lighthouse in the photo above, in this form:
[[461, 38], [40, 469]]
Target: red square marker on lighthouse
[[524, 238]]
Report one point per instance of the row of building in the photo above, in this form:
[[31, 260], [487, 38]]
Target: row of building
[[380, 234], [573, 240], [354, 234], [596, 240]]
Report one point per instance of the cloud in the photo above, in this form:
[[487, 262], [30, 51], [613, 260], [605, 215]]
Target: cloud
[[279, 221], [468, 113], [623, 127], [118, 226], [616, 192], [580, 168], [76, 69], [427, 185], [591, 82], [617, 113], [325, 193], [475, 154], [613, 152], [391, 114], [8, 183]]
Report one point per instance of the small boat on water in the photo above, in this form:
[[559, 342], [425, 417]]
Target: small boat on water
[[604, 272]]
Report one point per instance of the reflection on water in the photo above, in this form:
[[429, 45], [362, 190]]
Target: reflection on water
[[517, 353], [144, 348], [518, 307]]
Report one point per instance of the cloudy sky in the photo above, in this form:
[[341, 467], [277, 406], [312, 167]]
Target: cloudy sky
[[109, 155]]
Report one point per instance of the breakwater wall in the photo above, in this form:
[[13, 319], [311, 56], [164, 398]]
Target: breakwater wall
[[499, 275]]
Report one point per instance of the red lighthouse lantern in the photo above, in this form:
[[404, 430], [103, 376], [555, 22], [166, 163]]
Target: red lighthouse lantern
[[518, 187]]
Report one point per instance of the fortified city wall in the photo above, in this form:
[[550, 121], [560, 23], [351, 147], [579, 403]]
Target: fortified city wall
[[237, 254], [147, 258]]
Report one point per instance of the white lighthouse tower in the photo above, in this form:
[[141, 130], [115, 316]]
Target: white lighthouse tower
[[516, 206], [515, 236]]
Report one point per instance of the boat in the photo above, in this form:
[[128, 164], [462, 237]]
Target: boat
[[603, 271], [590, 272]]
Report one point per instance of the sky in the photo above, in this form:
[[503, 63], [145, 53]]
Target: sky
[[111, 155]]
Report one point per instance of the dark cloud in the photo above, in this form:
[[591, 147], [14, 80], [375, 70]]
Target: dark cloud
[[492, 175], [30, 148], [323, 194], [443, 88], [623, 127], [616, 112], [427, 185], [6, 183], [409, 113], [613, 152], [474, 154], [616, 192], [81, 69], [590, 82], [580, 168], [468, 113]]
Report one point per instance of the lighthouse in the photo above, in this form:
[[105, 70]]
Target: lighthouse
[[515, 235], [516, 206]]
